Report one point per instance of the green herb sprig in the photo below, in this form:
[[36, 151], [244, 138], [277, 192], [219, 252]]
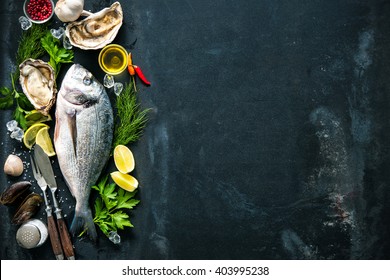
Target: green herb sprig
[[110, 206], [29, 47], [131, 120], [57, 53], [23, 105]]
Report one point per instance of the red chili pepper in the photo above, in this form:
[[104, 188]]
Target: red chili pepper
[[141, 75]]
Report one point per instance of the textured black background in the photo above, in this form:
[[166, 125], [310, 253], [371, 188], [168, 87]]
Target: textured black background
[[268, 135]]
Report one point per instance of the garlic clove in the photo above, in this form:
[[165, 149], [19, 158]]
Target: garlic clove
[[13, 166]]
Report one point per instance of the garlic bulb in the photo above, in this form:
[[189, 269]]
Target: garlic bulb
[[69, 10], [13, 166]]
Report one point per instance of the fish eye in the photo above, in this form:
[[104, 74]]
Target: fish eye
[[87, 81]]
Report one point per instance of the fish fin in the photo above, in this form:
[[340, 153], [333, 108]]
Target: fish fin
[[83, 221], [56, 131], [72, 128], [73, 133]]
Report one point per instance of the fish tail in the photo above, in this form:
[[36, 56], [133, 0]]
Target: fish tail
[[83, 221]]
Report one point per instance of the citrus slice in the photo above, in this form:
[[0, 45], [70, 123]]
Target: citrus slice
[[36, 117], [124, 159], [31, 134], [125, 181], [43, 139]]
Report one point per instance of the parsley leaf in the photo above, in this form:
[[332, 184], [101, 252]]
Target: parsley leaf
[[20, 118], [6, 98], [121, 220], [9, 97], [125, 200], [57, 53], [110, 207]]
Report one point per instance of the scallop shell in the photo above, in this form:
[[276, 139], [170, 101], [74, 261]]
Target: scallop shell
[[37, 79], [97, 30]]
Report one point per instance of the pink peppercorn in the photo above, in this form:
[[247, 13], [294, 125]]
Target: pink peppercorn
[[39, 9]]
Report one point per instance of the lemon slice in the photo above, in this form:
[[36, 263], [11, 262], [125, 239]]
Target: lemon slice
[[31, 134], [36, 117], [124, 159], [125, 181], [43, 139]]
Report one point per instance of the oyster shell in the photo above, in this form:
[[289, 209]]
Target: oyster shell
[[37, 79], [97, 30]]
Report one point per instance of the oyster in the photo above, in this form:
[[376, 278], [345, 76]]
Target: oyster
[[97, 30], [37, 79]]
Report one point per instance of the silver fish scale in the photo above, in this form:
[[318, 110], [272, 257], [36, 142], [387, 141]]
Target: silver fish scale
[[83, 138]]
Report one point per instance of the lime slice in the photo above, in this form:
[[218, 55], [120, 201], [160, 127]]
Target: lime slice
[[125, 181], [31, 134], [124, 159]]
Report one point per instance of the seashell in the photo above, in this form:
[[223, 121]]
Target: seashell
[[27, 209], [37, 79], [97, 30], [14, 191], [13, 166]]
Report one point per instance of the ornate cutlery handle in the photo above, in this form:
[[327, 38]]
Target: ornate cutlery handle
[[62, 228], [65, 238], [54, 238]]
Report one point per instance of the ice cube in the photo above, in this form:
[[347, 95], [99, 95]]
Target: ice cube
[[114, 237], [118, 87], [25, 23], [108, 81], [57, 33], [66, 43], [11, 125], [17, 134]]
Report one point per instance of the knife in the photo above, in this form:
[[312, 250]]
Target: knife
[[51, 225], [46, 168]]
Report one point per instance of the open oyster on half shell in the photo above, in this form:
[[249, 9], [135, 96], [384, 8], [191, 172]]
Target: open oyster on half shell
[[37, 79], [97, 30]]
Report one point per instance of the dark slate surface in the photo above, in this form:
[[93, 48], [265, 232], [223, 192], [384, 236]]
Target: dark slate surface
[[268, 135]]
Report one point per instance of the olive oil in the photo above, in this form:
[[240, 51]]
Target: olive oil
[[113, 59]]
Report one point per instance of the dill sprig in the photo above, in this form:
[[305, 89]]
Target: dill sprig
[[30, 45], [131, 120]]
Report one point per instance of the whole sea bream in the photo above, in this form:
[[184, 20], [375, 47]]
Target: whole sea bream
[[82, 138]]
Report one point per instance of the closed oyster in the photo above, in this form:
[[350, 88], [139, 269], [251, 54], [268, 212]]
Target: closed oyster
[[97, 30], [37, 79]]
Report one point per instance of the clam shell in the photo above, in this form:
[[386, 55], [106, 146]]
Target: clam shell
[[37, 79], [97, 30]]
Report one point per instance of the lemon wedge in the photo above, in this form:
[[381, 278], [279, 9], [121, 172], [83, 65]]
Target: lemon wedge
[[30, 135], [125, 181], [43, 139], [36, 117], [124, 159]]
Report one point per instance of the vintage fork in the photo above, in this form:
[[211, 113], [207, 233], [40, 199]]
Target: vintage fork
[[53, 232]]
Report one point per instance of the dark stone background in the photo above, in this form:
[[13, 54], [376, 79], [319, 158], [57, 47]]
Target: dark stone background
[[268, 134]]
